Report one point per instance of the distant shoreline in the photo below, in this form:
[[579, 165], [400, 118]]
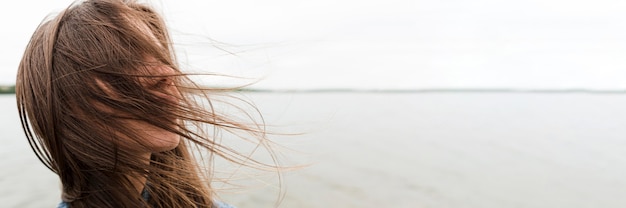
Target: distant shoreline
[[7, 89], [11, 90]]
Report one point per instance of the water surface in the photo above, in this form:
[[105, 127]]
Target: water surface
[[477, 150]]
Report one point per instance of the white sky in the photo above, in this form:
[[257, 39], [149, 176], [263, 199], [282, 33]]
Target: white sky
[[384, 44]]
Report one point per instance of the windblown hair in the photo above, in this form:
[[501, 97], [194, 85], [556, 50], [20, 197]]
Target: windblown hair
[[82, 73]]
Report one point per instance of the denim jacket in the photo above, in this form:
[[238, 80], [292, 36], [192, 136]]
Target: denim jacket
[[216, 204], [145, 195]]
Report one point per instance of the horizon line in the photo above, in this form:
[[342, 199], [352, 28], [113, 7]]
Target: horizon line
[[418, 90], [437, 90]]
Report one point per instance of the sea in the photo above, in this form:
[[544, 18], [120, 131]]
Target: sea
[[405, 149]]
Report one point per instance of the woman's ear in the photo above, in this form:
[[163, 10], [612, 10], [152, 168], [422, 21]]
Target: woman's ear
[[106, 87], [108, 91]]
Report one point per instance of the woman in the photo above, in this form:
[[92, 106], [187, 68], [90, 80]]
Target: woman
[[104, 106]]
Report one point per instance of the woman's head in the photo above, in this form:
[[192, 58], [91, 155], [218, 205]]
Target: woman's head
[[100, 67], [98, 87]]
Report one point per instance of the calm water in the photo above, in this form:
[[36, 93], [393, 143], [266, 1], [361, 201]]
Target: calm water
[[482, 150]]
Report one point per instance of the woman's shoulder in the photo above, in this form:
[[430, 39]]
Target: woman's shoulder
[[62, 205], [217, 204]]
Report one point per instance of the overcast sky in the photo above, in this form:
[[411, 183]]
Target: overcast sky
[[385, 44]]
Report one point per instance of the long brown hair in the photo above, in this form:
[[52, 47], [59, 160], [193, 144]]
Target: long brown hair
[[83, 72]]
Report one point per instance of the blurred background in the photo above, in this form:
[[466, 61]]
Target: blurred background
[[405, 103]]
